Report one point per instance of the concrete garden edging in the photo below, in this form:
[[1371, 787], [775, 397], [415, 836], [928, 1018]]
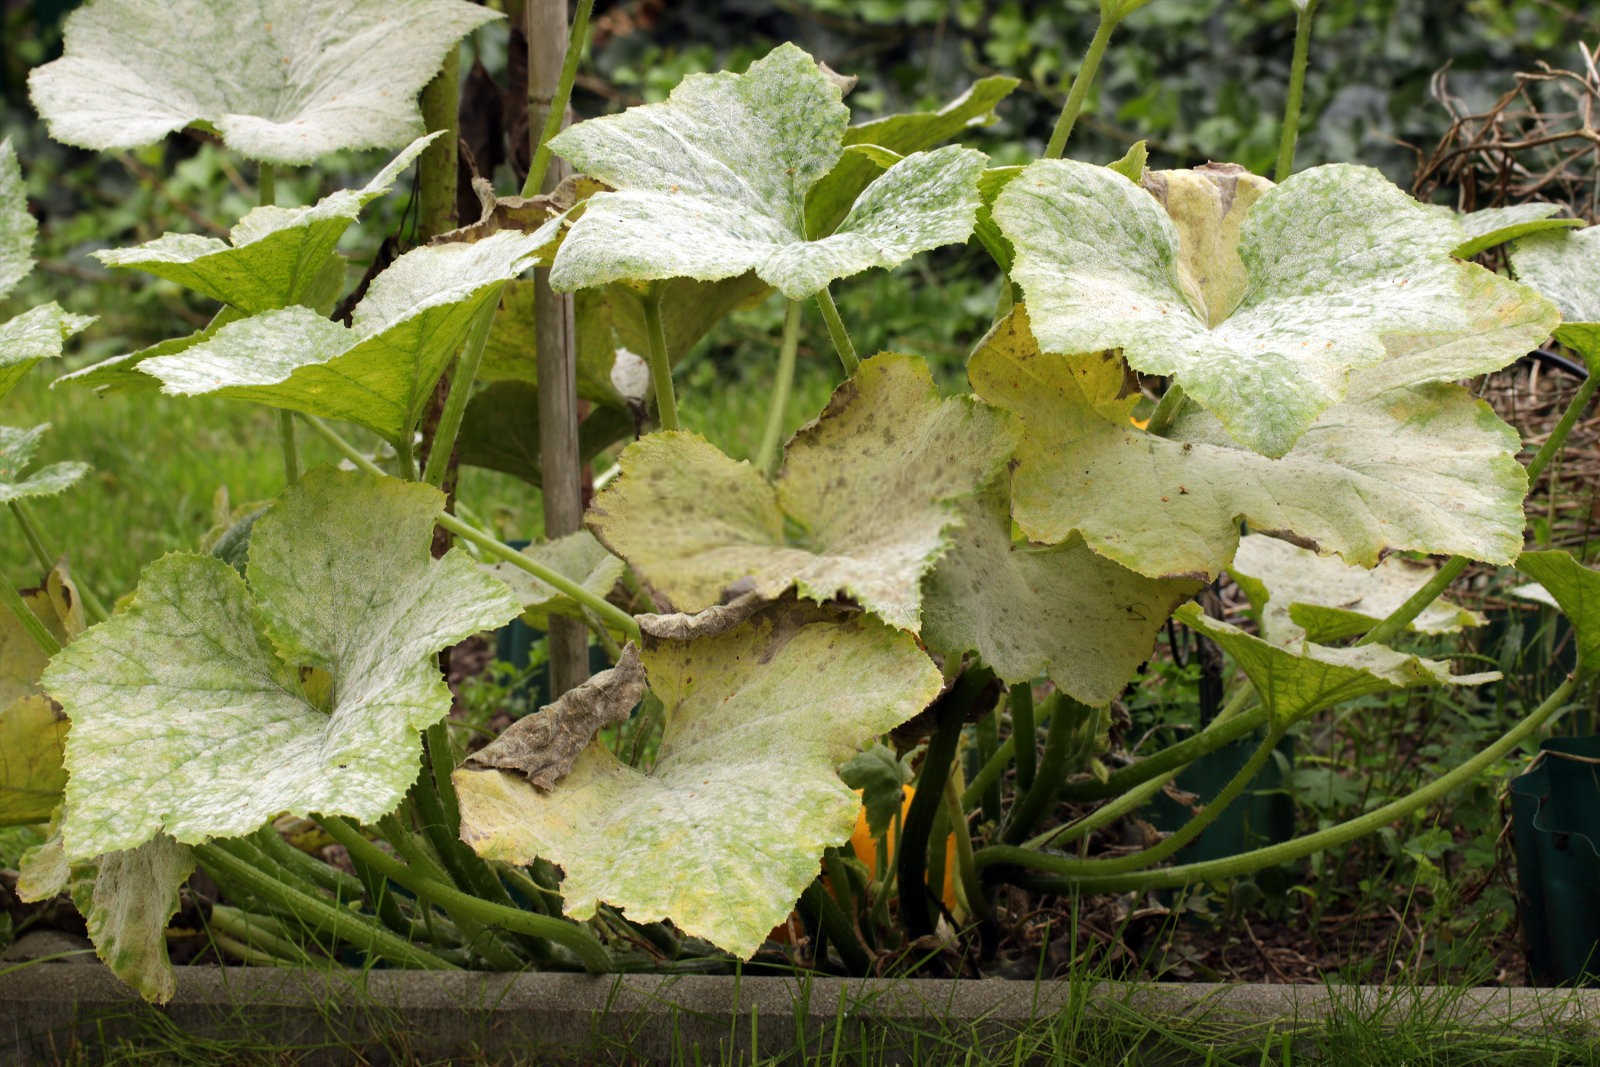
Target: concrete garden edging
[[48, 1009]]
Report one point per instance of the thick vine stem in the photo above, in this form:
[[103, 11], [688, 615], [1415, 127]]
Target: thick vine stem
[[1080, 85], [455, 404], [1297, 86], [782, 385], [966, 870], [576, 38], [1222, 731], [1167, 410], [30, 622], [837, 926], [660, 361], [837, 333], [1026, 731], [1065, 716], [570, 935], [611, 614], [333, 921], [1270, 856]]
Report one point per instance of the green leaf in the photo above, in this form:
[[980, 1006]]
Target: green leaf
[[281, 81], [190, 711], [380, 371], [500, 431], [33, 733], [17, 227], [1304, 596], [1324, 267], [1494, 226], [1565, 266], [121, 372], [273, 257], [1296, 682], [862, 506], [21, 660], [1427, 468], [725, 831], [16, 451], [1576, 589], [880, 777], [34, 335], [1028, 611], [511, 350], [577, 556], [126, 900], [712, 183]]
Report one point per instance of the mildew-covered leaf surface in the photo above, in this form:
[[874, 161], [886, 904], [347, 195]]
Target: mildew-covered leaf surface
[[17, 447], [726, 830], [196, 710]]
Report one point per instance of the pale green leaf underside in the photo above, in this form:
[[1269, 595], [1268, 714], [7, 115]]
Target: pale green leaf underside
[[511, 351], [17, 226], [1294, 683], [33, 733], [121, 372], [283, 81], [16, 450], [36, 334], [1061, 612], [188, 712], [712, 183], [1493, 226], [1428, 468], [726, 830], [869, 484], [273, 256], [380, 371], [1565, 266], [1309, 597], [578, 557], [21, 660], [1336, 259], [1576, 589], [126, 899]]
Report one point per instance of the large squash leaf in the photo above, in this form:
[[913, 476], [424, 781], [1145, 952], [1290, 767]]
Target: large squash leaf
[[1427, 468], [1060, 611], [1300, 681], [17, 447], [37, 333], [1301, 596], [33, 730], [1576, 590], [861, 508], [273, 257], [196, 711], [381, 370], [725, 831], [1565, 266], [1324, 268], [578, 557], [712, 183], [283, 81]]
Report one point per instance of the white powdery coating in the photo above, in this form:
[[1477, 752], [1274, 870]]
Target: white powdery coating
[[16, 450]]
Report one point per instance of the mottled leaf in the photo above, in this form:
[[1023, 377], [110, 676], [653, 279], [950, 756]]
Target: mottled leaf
[[577, 556], [16, 452], [1301, 596], [126, 899], [712, 183], [17, 226], [1576, 589], [500, 431], [1428, 468], [1027, 610], [1300, 681], [1494, 226], [121, 372], [725, 831], [378, 372], [33, 733], [1324, 268], [511, 350], [273, 257], [1565, 266], [194, 709], [283, 81], [542, 747], [862, 506], [34, 335]]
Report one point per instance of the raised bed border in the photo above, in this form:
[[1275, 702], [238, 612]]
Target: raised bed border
[[50, 1010]]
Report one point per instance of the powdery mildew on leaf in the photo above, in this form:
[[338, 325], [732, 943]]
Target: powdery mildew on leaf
[[577, 556], [283, 81], [380, 371], [1493, 226], [1428, 468], [870, 484], [1565, 266], [1331, 262], [1300, 595], [17, 447], [126, 900], [273, 256], [725, 831], [1576, 590], [17, 226], [1062, 611], [191, 709], [1296, 682], [712, 183]]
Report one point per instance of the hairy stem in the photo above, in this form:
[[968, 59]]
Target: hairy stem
[[559, 99], [1080, 86], [660, 362], [455, 404], [837, 333], [782, 385], [1167, 410], [1297, 86]]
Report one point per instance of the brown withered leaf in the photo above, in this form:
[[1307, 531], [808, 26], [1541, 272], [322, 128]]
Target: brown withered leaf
[[523, 213], [542, 747], [708, 623]]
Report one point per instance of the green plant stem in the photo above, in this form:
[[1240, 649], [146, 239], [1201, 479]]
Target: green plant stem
[[405, 457], [266, 184], [660, 363], [455, 404], [249, 929], [1027, 733], [912, 855], [352, 927], [440, 755], [1167, 410], [1052, 769], [1080, 86], [463, 867], [837, 333], [612, 615], [47, 556], [291, 451], [988, 739], [1245, 863], [839, 930], [1173, 758], [995, 768], [244, 952], [1400, 618], [576, 38], [1078, 868], [592, 953], [1297, 86], [783, 384], [480, 939], [30, 622], [314, 871], [440, 104], [966, 869]]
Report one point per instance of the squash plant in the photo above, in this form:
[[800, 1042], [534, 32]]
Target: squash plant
[[901, 563]]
